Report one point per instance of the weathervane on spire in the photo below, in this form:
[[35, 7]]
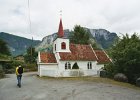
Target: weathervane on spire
[[60, 13]]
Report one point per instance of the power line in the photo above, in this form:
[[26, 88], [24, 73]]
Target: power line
[[30, 29]]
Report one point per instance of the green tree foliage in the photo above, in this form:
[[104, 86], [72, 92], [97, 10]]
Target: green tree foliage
[[126, 57], [94, 44], [82, 36], [3, 48], [79, 35], [31, 55]]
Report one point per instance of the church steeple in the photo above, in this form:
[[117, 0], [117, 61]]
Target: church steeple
[[60, 30], [61, 44]]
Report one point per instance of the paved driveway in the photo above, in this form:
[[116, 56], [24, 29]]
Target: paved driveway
[[34, 88]]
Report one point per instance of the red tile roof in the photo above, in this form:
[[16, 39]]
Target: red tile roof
[[47, 57], [78, 52], [102, 57]]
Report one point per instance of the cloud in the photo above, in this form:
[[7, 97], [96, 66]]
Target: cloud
[[121, 16]]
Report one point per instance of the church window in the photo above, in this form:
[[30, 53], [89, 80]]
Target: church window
[[89, 65], [55, 47], [67, 65], [63, 45]]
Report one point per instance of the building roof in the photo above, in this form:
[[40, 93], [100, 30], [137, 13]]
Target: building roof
[[78, 52], [47, 57], [101, 57], [60, 30]]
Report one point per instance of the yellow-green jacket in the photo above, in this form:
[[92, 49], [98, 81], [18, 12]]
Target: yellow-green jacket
[[17, 70]]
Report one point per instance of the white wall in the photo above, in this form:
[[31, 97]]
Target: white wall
[[48, 70], [82, 68], [58, 70], [100, 65], [82, 64]]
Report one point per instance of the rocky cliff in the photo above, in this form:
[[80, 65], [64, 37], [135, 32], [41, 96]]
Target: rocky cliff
[[103, 37]]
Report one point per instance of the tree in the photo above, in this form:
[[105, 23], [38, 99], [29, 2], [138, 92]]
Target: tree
[[4, 48], [79, 35], [126, 57], [31, 55]]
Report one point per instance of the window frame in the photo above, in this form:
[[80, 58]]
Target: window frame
[[63, 45], [55, 47], [67, 65], [89, 65]]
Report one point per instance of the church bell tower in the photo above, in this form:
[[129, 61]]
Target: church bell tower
[[61, 44]]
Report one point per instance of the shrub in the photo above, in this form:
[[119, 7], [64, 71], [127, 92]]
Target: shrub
[[120, 77], [138, 82], [103, 73], [9, 71], [2, 74], [109, 68], [30, 67], [9, 67]]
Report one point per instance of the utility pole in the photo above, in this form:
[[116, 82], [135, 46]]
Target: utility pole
[[30, 28]]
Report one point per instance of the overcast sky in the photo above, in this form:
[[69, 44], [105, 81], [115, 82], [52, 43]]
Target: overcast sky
[[120, 16]]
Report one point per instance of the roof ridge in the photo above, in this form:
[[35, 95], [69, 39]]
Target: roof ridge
[[94, 52]]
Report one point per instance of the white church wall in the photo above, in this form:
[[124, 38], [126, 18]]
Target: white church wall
[[99, 66], [48, 70], [82, 71], [54, 70]]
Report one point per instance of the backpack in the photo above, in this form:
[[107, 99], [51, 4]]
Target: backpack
[[20, 70]]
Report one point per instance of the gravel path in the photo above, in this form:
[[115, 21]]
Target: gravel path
[[34, 88]]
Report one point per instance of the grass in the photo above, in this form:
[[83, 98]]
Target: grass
[[95, 79]]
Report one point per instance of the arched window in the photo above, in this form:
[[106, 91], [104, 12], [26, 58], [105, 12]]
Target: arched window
[[67, 65], [89, 65], [63, 45], [55, 47], [75, 66]]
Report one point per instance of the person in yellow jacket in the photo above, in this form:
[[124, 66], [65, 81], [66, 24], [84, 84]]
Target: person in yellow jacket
[[19, 71]]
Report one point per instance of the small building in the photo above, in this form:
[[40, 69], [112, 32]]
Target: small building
[[19, 58], [70, 60]]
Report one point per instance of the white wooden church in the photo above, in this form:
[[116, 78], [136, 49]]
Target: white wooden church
[[70, 60]]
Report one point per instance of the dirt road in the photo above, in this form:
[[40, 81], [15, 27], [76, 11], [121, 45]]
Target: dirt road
[[34, 88]]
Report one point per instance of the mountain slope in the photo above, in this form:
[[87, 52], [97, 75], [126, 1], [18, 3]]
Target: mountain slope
[[17, 45], [103, 37]]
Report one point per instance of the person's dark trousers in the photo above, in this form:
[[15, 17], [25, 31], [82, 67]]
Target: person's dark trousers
[[19, 80]]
